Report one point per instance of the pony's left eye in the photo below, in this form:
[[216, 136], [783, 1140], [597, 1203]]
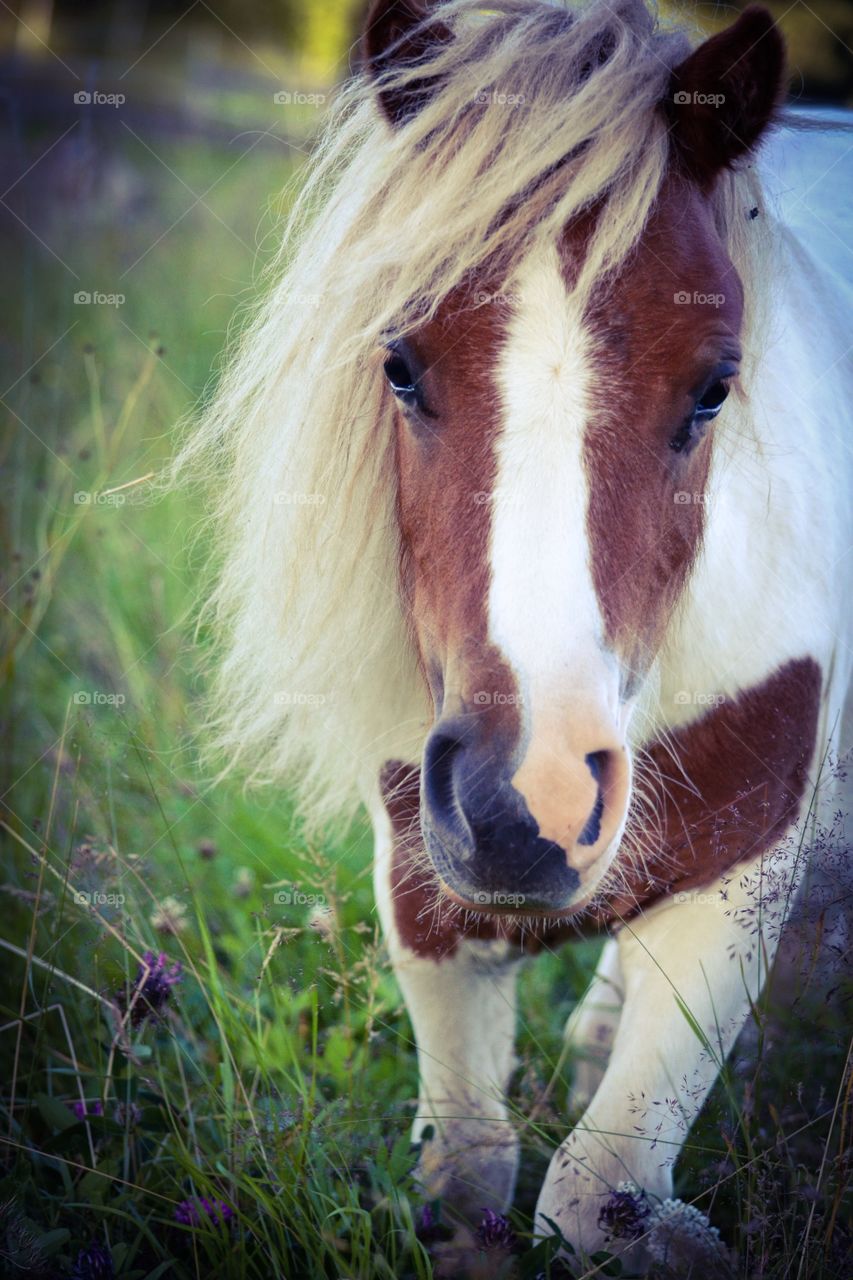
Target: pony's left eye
[[711, 401], [705, 410]]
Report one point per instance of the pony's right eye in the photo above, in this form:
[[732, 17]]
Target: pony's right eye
[[402, 371]]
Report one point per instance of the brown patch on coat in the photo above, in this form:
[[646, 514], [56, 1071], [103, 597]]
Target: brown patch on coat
[[445, 465], [747, 768], [654, 352], [742, 775]]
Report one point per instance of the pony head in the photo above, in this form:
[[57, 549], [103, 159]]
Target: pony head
[[461, 452], [553, 429]]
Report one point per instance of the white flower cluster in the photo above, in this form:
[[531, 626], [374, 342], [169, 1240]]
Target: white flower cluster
[[681, 1239]]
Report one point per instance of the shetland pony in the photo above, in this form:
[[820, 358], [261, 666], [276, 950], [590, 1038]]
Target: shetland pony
[[533, 523]]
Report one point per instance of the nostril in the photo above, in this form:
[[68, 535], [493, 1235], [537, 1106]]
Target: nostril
[[597, 764], [441, 752]]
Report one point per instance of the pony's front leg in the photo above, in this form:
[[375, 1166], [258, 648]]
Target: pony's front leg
[[460, 995], [463, 1014], [690, 969]]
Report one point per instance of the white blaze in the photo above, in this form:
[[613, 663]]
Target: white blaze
[[543, 611]]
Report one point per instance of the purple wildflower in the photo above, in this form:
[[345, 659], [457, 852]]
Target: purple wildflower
[[624, 1214], [151, 989], [427, 1218], [85, 1108], [94, 1263], [195, 1213], [494, 1232], [428, 1226]]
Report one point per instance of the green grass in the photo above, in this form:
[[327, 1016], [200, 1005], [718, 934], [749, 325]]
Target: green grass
[[281, 1079]]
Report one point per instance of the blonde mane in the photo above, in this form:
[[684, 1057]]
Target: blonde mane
[[316, 679]]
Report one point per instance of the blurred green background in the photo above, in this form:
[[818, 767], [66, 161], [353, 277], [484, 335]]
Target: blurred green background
[[147, 154]]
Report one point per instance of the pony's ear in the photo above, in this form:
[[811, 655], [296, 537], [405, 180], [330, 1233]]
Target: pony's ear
[[398, 33], [722, 98]]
